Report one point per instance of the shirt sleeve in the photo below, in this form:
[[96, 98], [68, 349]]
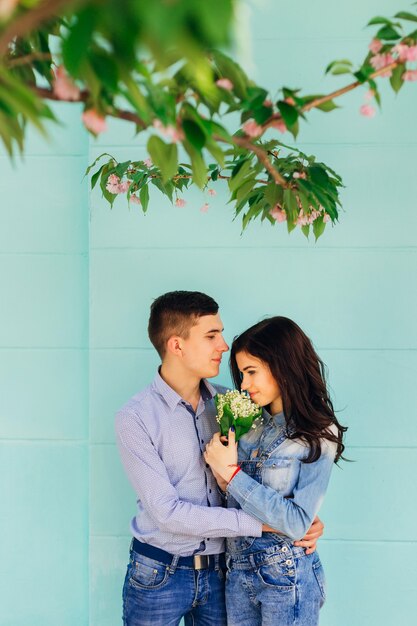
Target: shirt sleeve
[[149, 478], [291, 516]]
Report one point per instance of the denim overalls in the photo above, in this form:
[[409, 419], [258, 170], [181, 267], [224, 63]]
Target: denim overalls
[[270, 581]]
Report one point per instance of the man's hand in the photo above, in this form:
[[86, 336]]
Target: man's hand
[[313, 535]]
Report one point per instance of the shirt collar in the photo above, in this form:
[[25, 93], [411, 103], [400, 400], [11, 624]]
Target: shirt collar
[[172, 398], [278, 418]]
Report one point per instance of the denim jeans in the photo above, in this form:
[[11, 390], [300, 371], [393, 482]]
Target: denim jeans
[[278, 585], [156, 594]]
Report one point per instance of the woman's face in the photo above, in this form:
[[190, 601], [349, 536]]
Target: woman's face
[[258, 381]]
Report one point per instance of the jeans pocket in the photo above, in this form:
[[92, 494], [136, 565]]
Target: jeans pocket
[[146, 573], [320, 577], [272, 575]]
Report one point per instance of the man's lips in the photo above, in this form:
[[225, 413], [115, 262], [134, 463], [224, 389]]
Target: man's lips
[[217, 360]]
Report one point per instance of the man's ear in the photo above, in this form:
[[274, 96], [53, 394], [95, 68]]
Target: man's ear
[[174, 345]]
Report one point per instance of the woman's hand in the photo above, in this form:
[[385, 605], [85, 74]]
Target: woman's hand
[[222, 459], [219, 480], [313, 535]]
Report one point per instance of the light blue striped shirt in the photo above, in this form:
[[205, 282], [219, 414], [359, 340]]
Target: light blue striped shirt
[[161, 440]]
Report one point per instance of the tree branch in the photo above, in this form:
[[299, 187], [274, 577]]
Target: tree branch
[[28, 58]]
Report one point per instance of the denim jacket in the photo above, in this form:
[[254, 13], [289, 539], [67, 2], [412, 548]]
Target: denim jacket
[[277, 487]]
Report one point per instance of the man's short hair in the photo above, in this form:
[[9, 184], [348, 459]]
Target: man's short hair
[[174, 313]]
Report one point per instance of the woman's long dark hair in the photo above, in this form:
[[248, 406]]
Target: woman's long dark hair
[[285, 348]]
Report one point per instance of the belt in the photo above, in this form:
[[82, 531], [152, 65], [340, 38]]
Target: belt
[[196, 561]]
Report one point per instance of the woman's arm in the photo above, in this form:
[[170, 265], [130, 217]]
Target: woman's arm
[[294, 516]]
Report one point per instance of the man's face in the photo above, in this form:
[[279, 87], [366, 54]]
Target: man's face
[[203, 350]]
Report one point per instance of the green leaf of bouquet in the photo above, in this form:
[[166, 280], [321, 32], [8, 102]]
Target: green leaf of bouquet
[[164, 156], [96, 176], [236, 180], [339, 63], [290, 205]]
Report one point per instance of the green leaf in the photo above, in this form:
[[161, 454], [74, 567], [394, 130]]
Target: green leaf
[[288, 112], [96, 176], [396, 78], [290, 205], [106, 69], [327, 106], [236, 180], [199, 167], [144, 197], [164, 156], [194, 134], [79, 39], [306, 230], [388, 33], [318, 227], [343, 63], [229, 69], [379, 20], [404, 15]]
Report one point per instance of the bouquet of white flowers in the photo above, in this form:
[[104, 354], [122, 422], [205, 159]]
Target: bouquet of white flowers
[[235, 408]]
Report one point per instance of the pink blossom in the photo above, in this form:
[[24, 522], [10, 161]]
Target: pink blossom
[[175, 134], [134, 199], [252, 129], [180, 202], [412, 53], [112, 184], [267, 103], [279, 125], [224, 83], [148, 162], [367, 110], [278, 214], [326, 218], [299, 175], [64, 88], [369, 95], [290, 100], [375, 46], [124, 186], [302, 219], [379, 61], [401, 49], [410, 75], [204, 208], [212, 192], [94, 122]]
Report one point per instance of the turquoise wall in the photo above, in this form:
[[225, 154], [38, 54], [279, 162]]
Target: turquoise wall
[[77, 280]]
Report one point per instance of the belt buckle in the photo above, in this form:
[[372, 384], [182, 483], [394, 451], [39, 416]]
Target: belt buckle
[[201, 561]]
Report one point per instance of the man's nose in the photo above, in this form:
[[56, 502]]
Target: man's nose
[[223, 347]]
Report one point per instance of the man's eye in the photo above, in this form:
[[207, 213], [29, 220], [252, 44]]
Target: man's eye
[[211, 336]]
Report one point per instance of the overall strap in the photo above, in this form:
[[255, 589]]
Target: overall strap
[[279, 439]]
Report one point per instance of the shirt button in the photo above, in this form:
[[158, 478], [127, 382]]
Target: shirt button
[[207, 465], [208, 538], [209, 490], [202, 441], [284, 549], [289, 562]]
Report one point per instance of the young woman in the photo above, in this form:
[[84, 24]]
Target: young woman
[[279, 474]]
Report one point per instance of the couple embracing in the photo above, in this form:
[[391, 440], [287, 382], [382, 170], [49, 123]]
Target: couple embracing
[[226, 532]]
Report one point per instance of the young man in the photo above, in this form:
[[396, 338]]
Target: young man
[[177, 563]]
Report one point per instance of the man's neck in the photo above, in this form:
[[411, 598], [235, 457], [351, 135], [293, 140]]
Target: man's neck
[[186, 386]]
